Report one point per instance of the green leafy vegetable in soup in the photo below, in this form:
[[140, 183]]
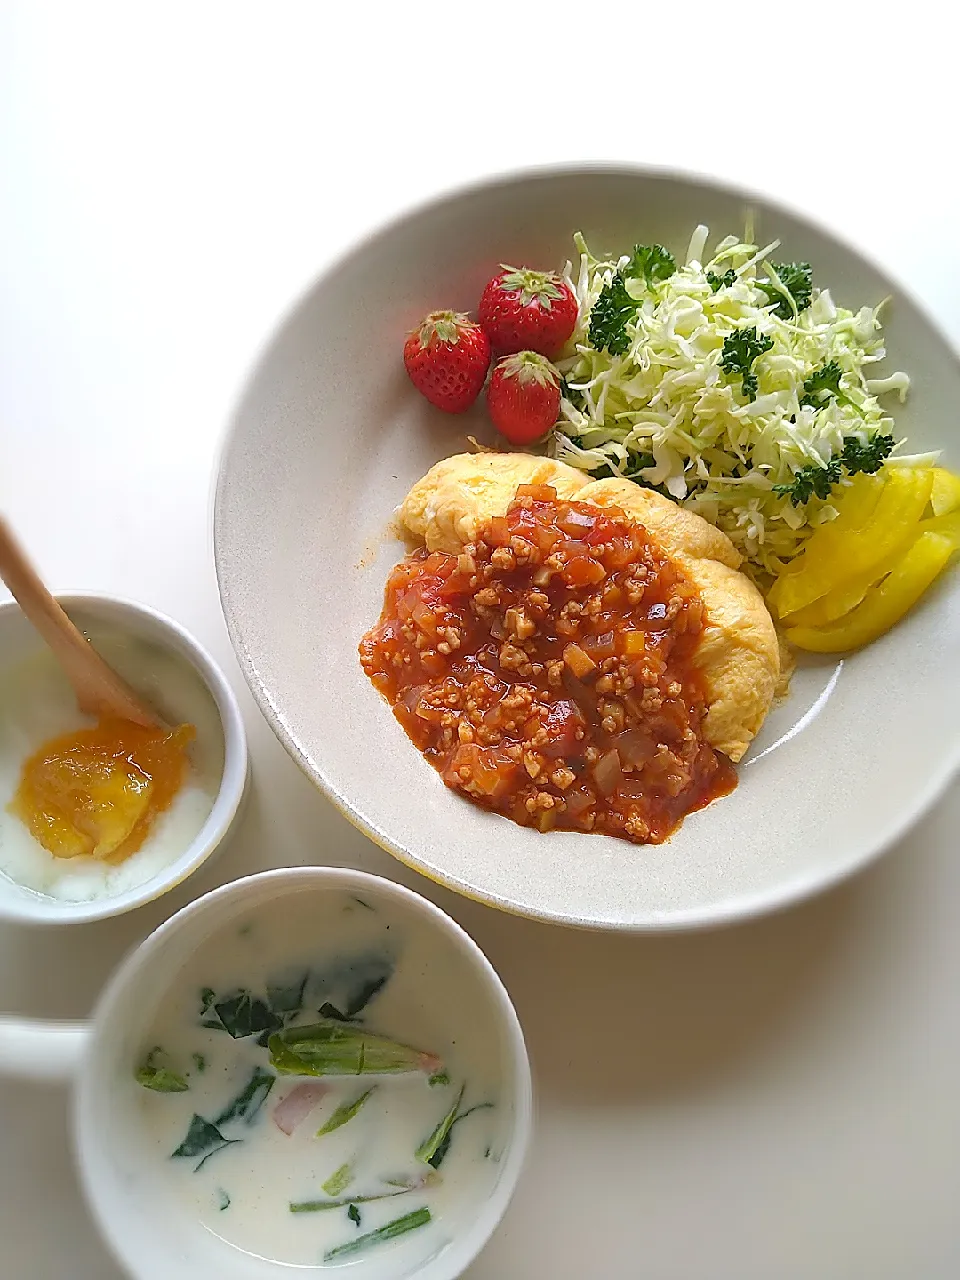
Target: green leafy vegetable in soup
[[338, 1180], [333, 1048], [154, 1074], [427, 1151], [308, 1170], [250, 1098], [203, 1139], [399, 1227], [344, 1113]]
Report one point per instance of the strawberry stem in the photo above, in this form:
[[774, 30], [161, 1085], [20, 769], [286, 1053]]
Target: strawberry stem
[[542, 286], [530, 366], [442, 326]]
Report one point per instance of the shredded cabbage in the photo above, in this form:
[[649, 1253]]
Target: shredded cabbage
[[667, 415]]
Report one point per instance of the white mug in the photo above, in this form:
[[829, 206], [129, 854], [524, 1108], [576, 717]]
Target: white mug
[[153, 1241]]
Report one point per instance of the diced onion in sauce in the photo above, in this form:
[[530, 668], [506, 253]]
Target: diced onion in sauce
[[608, 773]]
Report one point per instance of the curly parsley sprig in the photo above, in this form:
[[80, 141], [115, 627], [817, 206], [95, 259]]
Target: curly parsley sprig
[[740, 349]]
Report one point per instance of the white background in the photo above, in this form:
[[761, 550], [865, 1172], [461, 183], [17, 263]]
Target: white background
[[171, 177]]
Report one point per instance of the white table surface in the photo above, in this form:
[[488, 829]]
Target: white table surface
[[771, 1102]]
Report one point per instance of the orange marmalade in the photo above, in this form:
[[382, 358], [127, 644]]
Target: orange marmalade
[[96, 792], [547, 671]]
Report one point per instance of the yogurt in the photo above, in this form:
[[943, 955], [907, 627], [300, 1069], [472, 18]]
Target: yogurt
[[305, 1170], [37, 703]]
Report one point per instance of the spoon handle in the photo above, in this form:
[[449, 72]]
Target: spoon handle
[[99, 690]]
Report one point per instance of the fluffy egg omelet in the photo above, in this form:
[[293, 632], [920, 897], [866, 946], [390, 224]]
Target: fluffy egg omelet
[[739, 652]]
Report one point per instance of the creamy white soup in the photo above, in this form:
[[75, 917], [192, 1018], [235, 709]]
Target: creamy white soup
[[324, 1079]]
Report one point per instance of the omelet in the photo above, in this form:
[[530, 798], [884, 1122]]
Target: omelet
[[447, 507], [739, 651]]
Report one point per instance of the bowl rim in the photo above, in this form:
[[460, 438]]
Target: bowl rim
[[790, 893], [290, 880], [35, 908]]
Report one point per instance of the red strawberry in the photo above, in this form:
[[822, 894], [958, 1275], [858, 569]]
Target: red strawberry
[[447, 359], [524, 310], [524, 396]]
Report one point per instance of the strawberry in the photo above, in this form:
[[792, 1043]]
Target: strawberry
[[524, 310], [524, 396], [447, 358]]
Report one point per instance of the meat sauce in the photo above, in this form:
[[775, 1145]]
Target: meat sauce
[[547, 671]]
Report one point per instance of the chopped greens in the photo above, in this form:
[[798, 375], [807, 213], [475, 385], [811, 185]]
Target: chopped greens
[[608, 319], [869, 457], [438, 1078], [223, 1200], [240, 1014], [666, 387], [441, 1152], [740, 349], [153, 1074], [286, 999], [353, 1213], [200, 1062], [651, 263], [328, 1010], [250, 1099], [812, 481], [823, 384], [856, 456], [321, 1206], [435, 1146], [723, 281], [346, 1111], [363, 994], [334, 1048], [203, 1139], [338, 1181], [399, 1227], [792, 283], [351, 985]]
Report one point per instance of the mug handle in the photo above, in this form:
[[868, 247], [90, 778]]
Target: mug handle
[[42, 1052]]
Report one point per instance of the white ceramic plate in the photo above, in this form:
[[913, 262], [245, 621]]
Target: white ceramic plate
[[330, 435]]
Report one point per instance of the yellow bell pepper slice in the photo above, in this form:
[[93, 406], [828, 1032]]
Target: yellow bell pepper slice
[[886, 604], [945, 494], [855, 506], [850, 556], [841, 600], [838, 602], [948, 525]]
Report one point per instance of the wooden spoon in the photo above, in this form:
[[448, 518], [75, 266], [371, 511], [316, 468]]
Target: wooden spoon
[[100, 691]]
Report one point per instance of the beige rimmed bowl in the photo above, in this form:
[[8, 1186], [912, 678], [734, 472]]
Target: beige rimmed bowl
[[328, 437]]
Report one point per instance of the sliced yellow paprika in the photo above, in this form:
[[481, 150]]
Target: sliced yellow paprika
[[884, 605], [945, 494], [948, 525], [855, 506], [838, 602], [851, 554]]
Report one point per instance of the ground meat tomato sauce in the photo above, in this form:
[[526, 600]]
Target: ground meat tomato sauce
[[547, 671]]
